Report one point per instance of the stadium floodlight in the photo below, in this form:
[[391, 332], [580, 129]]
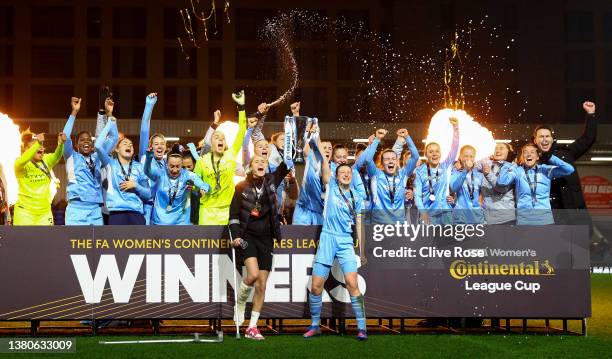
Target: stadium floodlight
[[196, 339]]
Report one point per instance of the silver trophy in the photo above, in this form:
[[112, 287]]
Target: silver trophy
[[296, 136]]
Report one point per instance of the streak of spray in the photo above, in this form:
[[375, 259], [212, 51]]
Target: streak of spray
[[278, 32]]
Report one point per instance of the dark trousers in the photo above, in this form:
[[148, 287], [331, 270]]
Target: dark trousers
[[122, 218]]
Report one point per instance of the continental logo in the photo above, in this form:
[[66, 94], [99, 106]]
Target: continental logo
[[460, 269]]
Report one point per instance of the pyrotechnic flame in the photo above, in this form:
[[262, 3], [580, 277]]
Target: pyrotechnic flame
[[470, 133], [230, 130], [10, 137]]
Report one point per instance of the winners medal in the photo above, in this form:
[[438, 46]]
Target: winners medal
[[432, 197], [169, 208]]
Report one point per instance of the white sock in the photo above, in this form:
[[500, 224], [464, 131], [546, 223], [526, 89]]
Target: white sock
[[254, 319], [244, 292]]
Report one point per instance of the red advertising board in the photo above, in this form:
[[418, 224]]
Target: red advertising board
[[597, 192]]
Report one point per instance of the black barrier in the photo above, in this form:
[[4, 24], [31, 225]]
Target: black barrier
[[62, 273]]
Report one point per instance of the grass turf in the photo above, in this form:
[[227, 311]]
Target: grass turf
[[597, 345]]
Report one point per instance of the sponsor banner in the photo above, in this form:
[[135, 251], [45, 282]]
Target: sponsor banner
[[597, 192], [137, 272]]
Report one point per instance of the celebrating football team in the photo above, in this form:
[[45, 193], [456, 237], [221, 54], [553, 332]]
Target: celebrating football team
[[109, 181]]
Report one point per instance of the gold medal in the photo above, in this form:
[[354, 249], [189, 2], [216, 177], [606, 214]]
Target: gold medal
[[169, 208]]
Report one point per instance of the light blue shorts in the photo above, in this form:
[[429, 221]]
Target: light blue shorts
[[80, 213], [335, 246]]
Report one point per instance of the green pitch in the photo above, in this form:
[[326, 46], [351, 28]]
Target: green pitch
[[598, 344]]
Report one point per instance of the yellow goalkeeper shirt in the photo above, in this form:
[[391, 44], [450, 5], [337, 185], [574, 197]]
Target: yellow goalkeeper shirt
[[224, 168], [34, 179]]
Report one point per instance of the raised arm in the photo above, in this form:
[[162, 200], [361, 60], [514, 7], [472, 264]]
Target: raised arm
[[262, 110], [75, 103], [246, 155], [68, 147], [239, 98], [153, 173], [450, 159], [52, 159], [588, 137], [371, 150], [325, 167], [414, 155], [28, 155], [398, 146], [207, 140], [362, 159], [314, 134], [103, 142], [101, 121], [145, 124], [560, 169], [418, 191], [193, 150]]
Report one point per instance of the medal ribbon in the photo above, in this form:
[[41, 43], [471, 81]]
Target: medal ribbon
[[126, 176], [44, 169], [470, 185], [391, 191], [431, 188], [348, 204], [532, 185], [216, 171]]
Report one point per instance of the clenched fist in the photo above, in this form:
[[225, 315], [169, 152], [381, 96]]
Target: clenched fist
[[381, 133], [589, 107], [295, 109], [109, 104], [263, 108], [217, 117], [75, 103], [238, 97]]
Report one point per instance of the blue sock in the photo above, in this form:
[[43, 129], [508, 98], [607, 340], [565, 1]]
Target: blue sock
[[316, 302], [359, 310]]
